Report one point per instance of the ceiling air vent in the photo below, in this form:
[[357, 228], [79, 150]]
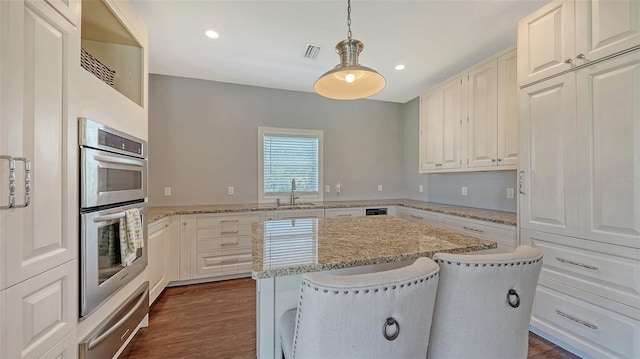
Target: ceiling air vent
[[312, 51]]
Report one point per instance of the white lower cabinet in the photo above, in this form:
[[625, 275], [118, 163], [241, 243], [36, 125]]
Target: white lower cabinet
[[588, 294], [162, 265], [343, 212], [302, 213], [216, 245], [426, 217], [67, 348], [39, 313], [503, 235]]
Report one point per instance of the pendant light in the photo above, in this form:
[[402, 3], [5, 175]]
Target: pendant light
[[349, 80]]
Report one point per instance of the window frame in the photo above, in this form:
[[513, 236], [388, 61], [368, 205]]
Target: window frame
[[291, 132]]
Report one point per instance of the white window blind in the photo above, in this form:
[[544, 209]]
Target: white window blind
[[290, 243], [288, 157]]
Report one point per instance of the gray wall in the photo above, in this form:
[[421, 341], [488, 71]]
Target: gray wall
[[484, 189], [203, 138]]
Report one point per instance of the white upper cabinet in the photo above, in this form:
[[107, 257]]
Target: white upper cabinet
[[483, 115], [440, 127], [609, 150], [546, 42], [548, 156], [508, 110], [38, 131], [568, 33]]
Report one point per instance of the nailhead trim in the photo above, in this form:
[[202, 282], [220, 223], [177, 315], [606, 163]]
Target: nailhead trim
[[442, 261]]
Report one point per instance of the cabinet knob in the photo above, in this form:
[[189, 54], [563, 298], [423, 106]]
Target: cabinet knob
[[568, 61], [499, 159], [184, 223], [493, 160], [581, 56]]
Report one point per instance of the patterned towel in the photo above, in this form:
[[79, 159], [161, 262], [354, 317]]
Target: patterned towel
[[130, 236]]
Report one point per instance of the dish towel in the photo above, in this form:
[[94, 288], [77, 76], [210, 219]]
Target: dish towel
[[130, 236]]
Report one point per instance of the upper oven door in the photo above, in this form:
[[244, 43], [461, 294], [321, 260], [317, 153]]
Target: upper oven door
[[107, 178]]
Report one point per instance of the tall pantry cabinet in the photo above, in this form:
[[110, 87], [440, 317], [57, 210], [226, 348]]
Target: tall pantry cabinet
[[579, 72], [39, 47]]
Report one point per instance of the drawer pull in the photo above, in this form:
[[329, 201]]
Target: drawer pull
[[344, 215], [473, 229], [229, 221], [229, 244], [586, 266], [579, 321], [229, 261], [416, 217], [228, 232]]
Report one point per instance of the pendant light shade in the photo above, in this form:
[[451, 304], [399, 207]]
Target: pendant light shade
[[349, 80]]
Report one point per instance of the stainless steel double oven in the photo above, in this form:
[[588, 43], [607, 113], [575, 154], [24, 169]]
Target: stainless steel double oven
[[113, 178]]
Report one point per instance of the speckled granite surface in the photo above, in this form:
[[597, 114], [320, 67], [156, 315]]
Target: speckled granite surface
[[284, 248], [508, 218]]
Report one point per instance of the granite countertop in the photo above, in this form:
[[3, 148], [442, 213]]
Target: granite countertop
[[287, 247], [508, 218]]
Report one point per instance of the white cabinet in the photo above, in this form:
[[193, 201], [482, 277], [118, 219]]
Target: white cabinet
[[548, 200], [343, 212], [216, 246], [568, 33], [37, 126], [426, 217], [503, 235], [441, 127], [488, 140], [301, 213], [162, 267]]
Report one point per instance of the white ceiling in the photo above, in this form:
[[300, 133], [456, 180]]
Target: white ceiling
[[262, 42]]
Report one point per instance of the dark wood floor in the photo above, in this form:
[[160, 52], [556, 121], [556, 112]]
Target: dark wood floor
[[218, 320]]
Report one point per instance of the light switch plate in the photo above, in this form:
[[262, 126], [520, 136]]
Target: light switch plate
[[420, 188], [167, 191], [464, 191], [510, 192], [231, 190], [379, 188], [327, 188]]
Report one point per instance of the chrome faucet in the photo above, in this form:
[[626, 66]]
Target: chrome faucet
[[292, 197]]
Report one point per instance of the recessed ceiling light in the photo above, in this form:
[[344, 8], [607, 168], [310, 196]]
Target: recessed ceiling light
[[399, 67], [211, 34]]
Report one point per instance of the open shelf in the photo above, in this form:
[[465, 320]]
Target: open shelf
[[105, 38]]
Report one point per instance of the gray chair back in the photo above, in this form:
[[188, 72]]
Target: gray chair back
[[484, 303], [374, 315]]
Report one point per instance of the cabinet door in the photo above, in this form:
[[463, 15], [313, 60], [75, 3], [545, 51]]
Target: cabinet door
[[507, 110], [483, 115], [546, 40], [609, 150], [431, 131], [70, 9], [451, 124], [300, 214], [36, 124], [548, 156], [158, 258], [606, 27]]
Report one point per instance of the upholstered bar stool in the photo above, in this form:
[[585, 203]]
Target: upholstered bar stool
[[484, 303], [374, 315]]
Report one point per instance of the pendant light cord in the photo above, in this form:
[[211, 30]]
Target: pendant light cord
[[349, 19]]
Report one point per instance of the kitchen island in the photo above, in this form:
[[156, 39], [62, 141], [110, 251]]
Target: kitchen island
[[283, 250]]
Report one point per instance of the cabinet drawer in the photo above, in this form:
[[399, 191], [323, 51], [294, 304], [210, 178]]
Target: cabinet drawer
[[500, 249], [214, 263], [342, 212], [606, 270], [593, 329], [430, 218], [226, 223], [501, 235], [227, 231], [227, 242]]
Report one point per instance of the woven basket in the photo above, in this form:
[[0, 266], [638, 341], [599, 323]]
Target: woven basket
[[97, 68]]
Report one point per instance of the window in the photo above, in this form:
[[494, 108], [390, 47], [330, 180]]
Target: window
[[286, 154]]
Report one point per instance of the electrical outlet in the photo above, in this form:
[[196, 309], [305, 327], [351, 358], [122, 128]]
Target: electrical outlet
[[167, 191], [464, 191], [327, 188], [338, 188], [231, 190], [510, 192], [379, 188], [420, 188]]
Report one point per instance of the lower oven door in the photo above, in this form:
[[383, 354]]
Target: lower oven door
[[101, 271]]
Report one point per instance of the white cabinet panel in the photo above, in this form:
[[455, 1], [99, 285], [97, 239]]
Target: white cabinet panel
[[67, 348], [483, 115], [426, 217], [70, 9], [605, 27], [42, 311], [508, 110], [505, 235], [609, 156], [343, 212], [36, 125], [451, 124], [431, 130], [548, 156], [303, 213], [546, 39]]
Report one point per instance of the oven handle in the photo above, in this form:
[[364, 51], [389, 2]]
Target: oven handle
[[93, 342], [110, 217], [119, 160]]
